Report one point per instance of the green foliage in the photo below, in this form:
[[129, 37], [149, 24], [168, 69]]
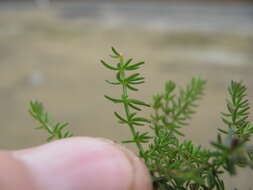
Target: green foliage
[[238, 112], [55, 130], [171, 111], [174, 162], [234, 150], [131, 106]]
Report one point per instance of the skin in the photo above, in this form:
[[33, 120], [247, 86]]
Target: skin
[[79, 163]]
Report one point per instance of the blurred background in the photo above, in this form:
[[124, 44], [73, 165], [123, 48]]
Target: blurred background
[[50, 51]]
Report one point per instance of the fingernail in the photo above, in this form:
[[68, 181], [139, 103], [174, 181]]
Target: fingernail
[[141, 177]]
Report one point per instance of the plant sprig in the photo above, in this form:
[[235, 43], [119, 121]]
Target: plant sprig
[[176, 110], [238, 112], [55, 130], [131, 106], [234, 150]]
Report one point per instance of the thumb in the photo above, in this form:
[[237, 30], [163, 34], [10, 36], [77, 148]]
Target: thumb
[[80, 163]]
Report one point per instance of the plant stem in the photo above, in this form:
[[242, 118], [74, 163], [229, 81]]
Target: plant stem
[[127, 111]]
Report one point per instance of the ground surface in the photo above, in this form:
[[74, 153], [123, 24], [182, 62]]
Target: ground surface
[[47, 57]]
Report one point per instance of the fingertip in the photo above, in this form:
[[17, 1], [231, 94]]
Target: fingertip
[[85, 163]]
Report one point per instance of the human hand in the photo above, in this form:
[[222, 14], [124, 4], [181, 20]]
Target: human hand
[[79, 163]]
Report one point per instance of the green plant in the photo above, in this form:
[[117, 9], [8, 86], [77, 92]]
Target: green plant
[[54, 129], [174, 163]]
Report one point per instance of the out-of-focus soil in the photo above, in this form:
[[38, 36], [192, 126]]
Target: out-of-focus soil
[[57, 62]]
